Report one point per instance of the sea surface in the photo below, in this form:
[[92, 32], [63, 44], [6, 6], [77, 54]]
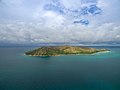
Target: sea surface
[[78, 72]]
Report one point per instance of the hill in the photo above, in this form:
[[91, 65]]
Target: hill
[[63, 50]]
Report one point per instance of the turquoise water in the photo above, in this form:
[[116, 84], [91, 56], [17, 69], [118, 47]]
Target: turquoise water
[[83, 72]]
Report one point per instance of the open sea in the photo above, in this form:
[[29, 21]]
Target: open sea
[[78, 72]]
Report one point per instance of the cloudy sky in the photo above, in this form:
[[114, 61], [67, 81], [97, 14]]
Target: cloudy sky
[[59, 21]]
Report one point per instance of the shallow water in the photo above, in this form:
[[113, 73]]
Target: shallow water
[[82, 72]]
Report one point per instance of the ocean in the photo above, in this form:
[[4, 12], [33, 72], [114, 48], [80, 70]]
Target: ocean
[[77, 72]]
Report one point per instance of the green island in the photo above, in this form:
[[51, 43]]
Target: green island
[[63, 50]]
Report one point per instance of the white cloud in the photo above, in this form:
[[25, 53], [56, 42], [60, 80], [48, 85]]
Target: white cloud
[[52, 26], [53, 19], [36, 33]]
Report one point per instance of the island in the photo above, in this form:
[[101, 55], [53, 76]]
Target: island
[[63, 50]]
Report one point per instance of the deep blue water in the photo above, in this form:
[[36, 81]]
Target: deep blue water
[[83, 72]]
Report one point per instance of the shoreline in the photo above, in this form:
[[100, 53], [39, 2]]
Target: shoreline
[[67, 54]]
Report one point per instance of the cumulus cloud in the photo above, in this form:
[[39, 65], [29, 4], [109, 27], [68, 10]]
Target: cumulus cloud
[[76, 9], [69, 21], [39, 33]]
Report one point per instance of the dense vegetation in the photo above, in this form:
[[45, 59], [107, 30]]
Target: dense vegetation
[[63, 50]]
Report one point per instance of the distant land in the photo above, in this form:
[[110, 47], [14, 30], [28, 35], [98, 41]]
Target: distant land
[[63, 50]]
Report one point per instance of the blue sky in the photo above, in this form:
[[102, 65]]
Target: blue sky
[[59, 21]]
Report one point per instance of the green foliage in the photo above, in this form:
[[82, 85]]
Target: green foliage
[[63, 50]]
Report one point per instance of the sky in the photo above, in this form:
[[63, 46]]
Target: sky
[[60, 21]]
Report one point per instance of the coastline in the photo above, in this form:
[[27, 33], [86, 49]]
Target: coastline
[[64, 50], [67, 54]]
